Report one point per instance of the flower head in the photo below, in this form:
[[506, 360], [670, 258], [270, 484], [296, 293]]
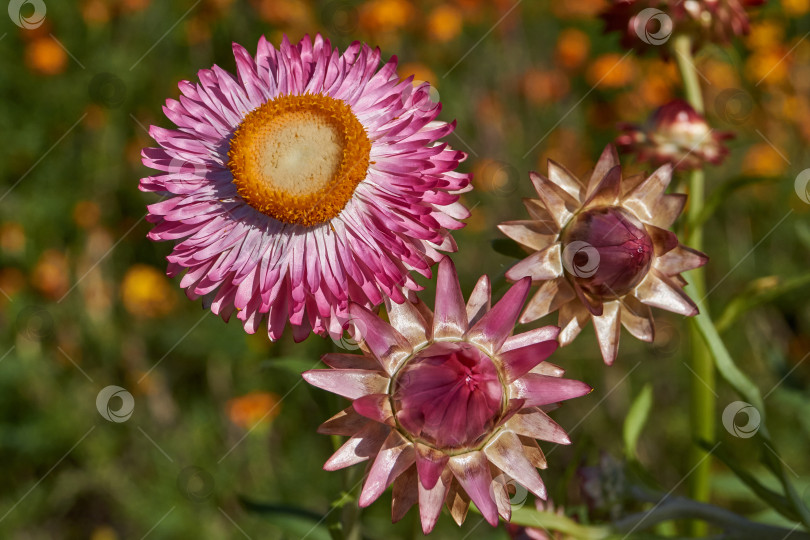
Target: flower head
[[602, 251], [675, 133], [647, 23], [309, 179], [446, 405]]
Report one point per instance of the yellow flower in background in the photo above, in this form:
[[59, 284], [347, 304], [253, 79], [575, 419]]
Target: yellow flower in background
[[44, 56], [572, 49], [445, 23], [146, 292], [763, 160], [796, 7], [611, 70], [255, 408]]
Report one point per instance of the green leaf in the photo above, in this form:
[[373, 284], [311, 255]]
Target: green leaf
[[636, 418], [723, 361], [297, 522], [760, 291], [529, 517], [771, 459], [770, 497], [508, 247]]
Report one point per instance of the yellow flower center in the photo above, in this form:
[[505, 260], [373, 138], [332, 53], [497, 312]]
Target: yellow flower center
[[299, 158]]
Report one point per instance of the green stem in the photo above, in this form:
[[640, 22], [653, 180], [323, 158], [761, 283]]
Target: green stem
[[702, 403]]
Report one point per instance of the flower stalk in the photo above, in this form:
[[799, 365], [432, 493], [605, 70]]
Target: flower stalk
[[703, 396]]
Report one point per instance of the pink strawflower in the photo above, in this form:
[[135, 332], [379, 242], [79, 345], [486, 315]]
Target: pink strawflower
[[602, 250], [309, 179], [447, 405], [646, 24], [677, 134]]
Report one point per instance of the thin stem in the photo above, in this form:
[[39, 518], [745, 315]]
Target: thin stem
[[702, 402]]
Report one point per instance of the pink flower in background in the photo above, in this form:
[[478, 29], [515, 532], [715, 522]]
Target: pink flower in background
[[677, 134], [646, 24], [310, 179], [447, 405], [603, 251]]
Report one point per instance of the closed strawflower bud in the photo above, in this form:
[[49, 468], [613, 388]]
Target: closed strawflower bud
[[677, 134], [601, 250], [607, 251]]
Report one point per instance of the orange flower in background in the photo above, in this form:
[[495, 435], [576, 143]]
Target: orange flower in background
[[51, 275], [146, 292], [44, 56], [255, 408], [385, 15], [12, 281], [133, 6], [541, 87], [611, 70], [12, 238], [421, 73], [771, 66], [445, 23], [763, 160], [95, 12], [581, 9], [572, 48], [765, 34], [283, 12], [86, 214]]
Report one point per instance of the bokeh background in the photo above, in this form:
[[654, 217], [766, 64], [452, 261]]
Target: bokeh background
[[222, 442]]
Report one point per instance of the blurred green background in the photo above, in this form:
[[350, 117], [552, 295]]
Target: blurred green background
[[221, 417]]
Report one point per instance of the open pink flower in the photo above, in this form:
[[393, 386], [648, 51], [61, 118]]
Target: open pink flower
[[447, 405], [309, 179]]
